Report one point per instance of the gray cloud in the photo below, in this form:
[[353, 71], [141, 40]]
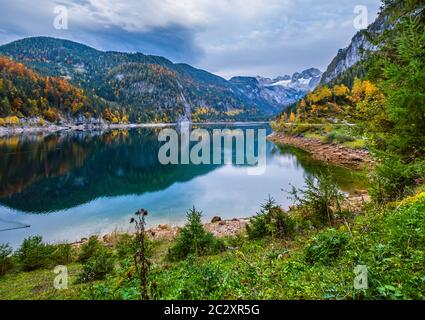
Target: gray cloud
[[227, 37]]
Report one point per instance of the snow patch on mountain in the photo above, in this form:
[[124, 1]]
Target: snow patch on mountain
[[281, 91]]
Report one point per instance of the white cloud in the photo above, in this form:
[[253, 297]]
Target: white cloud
[[229, 37]]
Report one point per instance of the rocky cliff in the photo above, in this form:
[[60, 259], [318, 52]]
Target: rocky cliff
[[357, 50]]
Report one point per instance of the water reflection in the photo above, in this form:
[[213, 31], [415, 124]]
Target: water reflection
[[67, 186]]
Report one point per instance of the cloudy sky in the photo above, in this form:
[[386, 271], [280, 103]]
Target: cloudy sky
[[226, 37]]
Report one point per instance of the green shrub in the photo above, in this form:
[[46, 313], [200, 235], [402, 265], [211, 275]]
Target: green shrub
[[193, 239], [62, 254], [203, 281], [34, 254], [356, 144], [89, 249], [320, 199], [393, 249], [6, 262], [330, 138], [301, 129], [270, 221], [338, 137], [393, 179], [98, 266], [326, 247], [126, 245]]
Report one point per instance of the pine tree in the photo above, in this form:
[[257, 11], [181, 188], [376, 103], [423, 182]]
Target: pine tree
[[5, 107], [404, 87]]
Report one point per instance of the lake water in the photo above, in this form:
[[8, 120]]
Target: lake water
[[67, 186]]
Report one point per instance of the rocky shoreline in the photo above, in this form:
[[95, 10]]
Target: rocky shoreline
[[332, 153], [53, 128], [11, 131]]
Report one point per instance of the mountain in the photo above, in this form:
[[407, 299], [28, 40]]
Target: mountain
[[280, 92], [349, 62], [147, 88], [25, 93]]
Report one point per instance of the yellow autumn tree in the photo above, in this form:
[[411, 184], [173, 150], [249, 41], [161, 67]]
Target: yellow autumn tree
[[364, 90], [302, 105], [321, 94], [302, 110], [51, 115], [340, 90], [314, 108], [108, 115]]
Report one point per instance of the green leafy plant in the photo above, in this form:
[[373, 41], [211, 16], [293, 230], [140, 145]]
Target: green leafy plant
[[193, 239], [34, 254], [98, 266], [338, 137], [320, 199], [204, 280], [125, 246], [326, 247], [271, 221], [393, 179], [89, 249], [62, 254]]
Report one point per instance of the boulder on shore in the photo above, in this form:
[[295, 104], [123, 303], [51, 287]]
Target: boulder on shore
[[216, 219]]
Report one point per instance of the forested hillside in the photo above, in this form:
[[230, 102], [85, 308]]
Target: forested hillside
[[384, 110], [148, 88], [25, 93]]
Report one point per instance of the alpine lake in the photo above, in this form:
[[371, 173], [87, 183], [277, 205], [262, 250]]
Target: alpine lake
[[69, 185]]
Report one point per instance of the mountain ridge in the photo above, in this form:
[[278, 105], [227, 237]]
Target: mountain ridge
[[349, 59], [139, 89]]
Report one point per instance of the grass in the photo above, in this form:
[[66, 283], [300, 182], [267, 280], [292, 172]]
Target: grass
[[344, 135], [38, 285], [315, 135], [389, 242], [356, 144]]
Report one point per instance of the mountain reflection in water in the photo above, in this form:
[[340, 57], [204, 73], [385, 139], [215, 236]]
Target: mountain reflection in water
[[70, 185]]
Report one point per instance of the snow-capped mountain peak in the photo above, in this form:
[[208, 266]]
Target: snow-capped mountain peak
[[306, 80], [281, 91]]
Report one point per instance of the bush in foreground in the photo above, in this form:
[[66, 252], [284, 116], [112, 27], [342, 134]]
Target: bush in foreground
[[98, 266], [193, 239], [271, 221], [34, 254], [62, 254], [126, 246], [320, 199], [89, 249], [393, 179], [326, 247]]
